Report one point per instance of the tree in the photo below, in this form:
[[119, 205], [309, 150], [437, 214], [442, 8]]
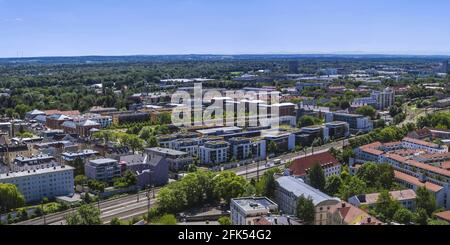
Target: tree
[[85, 215], [386, 206], [403, 216], [78, 164], [332, 185], [152, 142], [436, 222], [367, 111], [305, 210], [228, 185], [225, 220], [10, 197], [351, 186], [425, 200], [80, 180], [421, 216], [266, 184], [97, 185], [306, 121], [115, 221], [167, 219], [316, 177], [379, 176], [272, 147]]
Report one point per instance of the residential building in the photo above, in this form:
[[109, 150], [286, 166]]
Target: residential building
[[102, 110], [289, 189], [330, 165], [212, 153], [85, 154], [284, 140], [411, 143], [177, 160], [407, 198], [104, 169], [245, 210], [344, 213], [357, 123], [33, 160], [304, 84], [40, 182], [130, 117]]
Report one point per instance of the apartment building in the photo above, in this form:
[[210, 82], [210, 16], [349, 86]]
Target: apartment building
[[289, 189], [407, 198], [245, 210], [104, 169], [44, 181], [215, 152]]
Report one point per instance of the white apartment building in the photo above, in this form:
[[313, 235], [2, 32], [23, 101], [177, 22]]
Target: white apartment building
[[410, 143], [37, 183], [245, 210], [214, 152]]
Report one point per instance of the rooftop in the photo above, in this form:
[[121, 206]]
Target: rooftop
[[298, 187], [415, 181], [102, 161], [255, 203], [36, 171], [300, 166], [166, 151]]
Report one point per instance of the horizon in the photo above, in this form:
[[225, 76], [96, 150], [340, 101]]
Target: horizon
[[49, 28]]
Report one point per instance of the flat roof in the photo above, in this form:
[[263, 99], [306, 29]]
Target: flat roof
[[215, 130], [255, 203], [102, 161], [167, 151], [34, 171]]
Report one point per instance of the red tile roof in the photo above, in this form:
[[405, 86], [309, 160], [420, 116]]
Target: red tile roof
[[352, 215], [300, 166], [420, 142], [415, 181], [443, 215]]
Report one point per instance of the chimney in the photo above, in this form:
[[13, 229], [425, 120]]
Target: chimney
[[343, 205], [369, 220], [276, 221]]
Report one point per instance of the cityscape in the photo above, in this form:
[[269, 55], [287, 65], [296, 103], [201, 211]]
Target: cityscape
[[225, 139]]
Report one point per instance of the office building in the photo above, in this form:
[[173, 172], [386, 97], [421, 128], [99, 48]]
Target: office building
[[356, 123], [216, 152]]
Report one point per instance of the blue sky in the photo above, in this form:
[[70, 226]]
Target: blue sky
[[127, 27]]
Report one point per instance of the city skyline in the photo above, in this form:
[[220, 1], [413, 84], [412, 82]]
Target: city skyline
[[110, 28]]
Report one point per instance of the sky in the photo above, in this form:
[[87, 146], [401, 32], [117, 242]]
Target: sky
[[31, 28]]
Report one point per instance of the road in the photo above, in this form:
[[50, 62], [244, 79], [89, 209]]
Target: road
[[123, 208], [127, 207]]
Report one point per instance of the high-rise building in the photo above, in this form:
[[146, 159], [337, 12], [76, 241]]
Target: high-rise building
[[293, 67]]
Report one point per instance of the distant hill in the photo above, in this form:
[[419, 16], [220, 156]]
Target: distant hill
[[194, 57]]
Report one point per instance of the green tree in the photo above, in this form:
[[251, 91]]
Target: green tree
[[225, 220], [421, 216], [305, 210], [306, 121], [85, 215], [10, 197], [436, 222], [332, 185], [115, 221], [386, 206], [80, 180], [272, 148], [403, 216], [367, 111], [266, 184], [351, 186], [316, 177], [425, 200], [167, 219], [228, 185]]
